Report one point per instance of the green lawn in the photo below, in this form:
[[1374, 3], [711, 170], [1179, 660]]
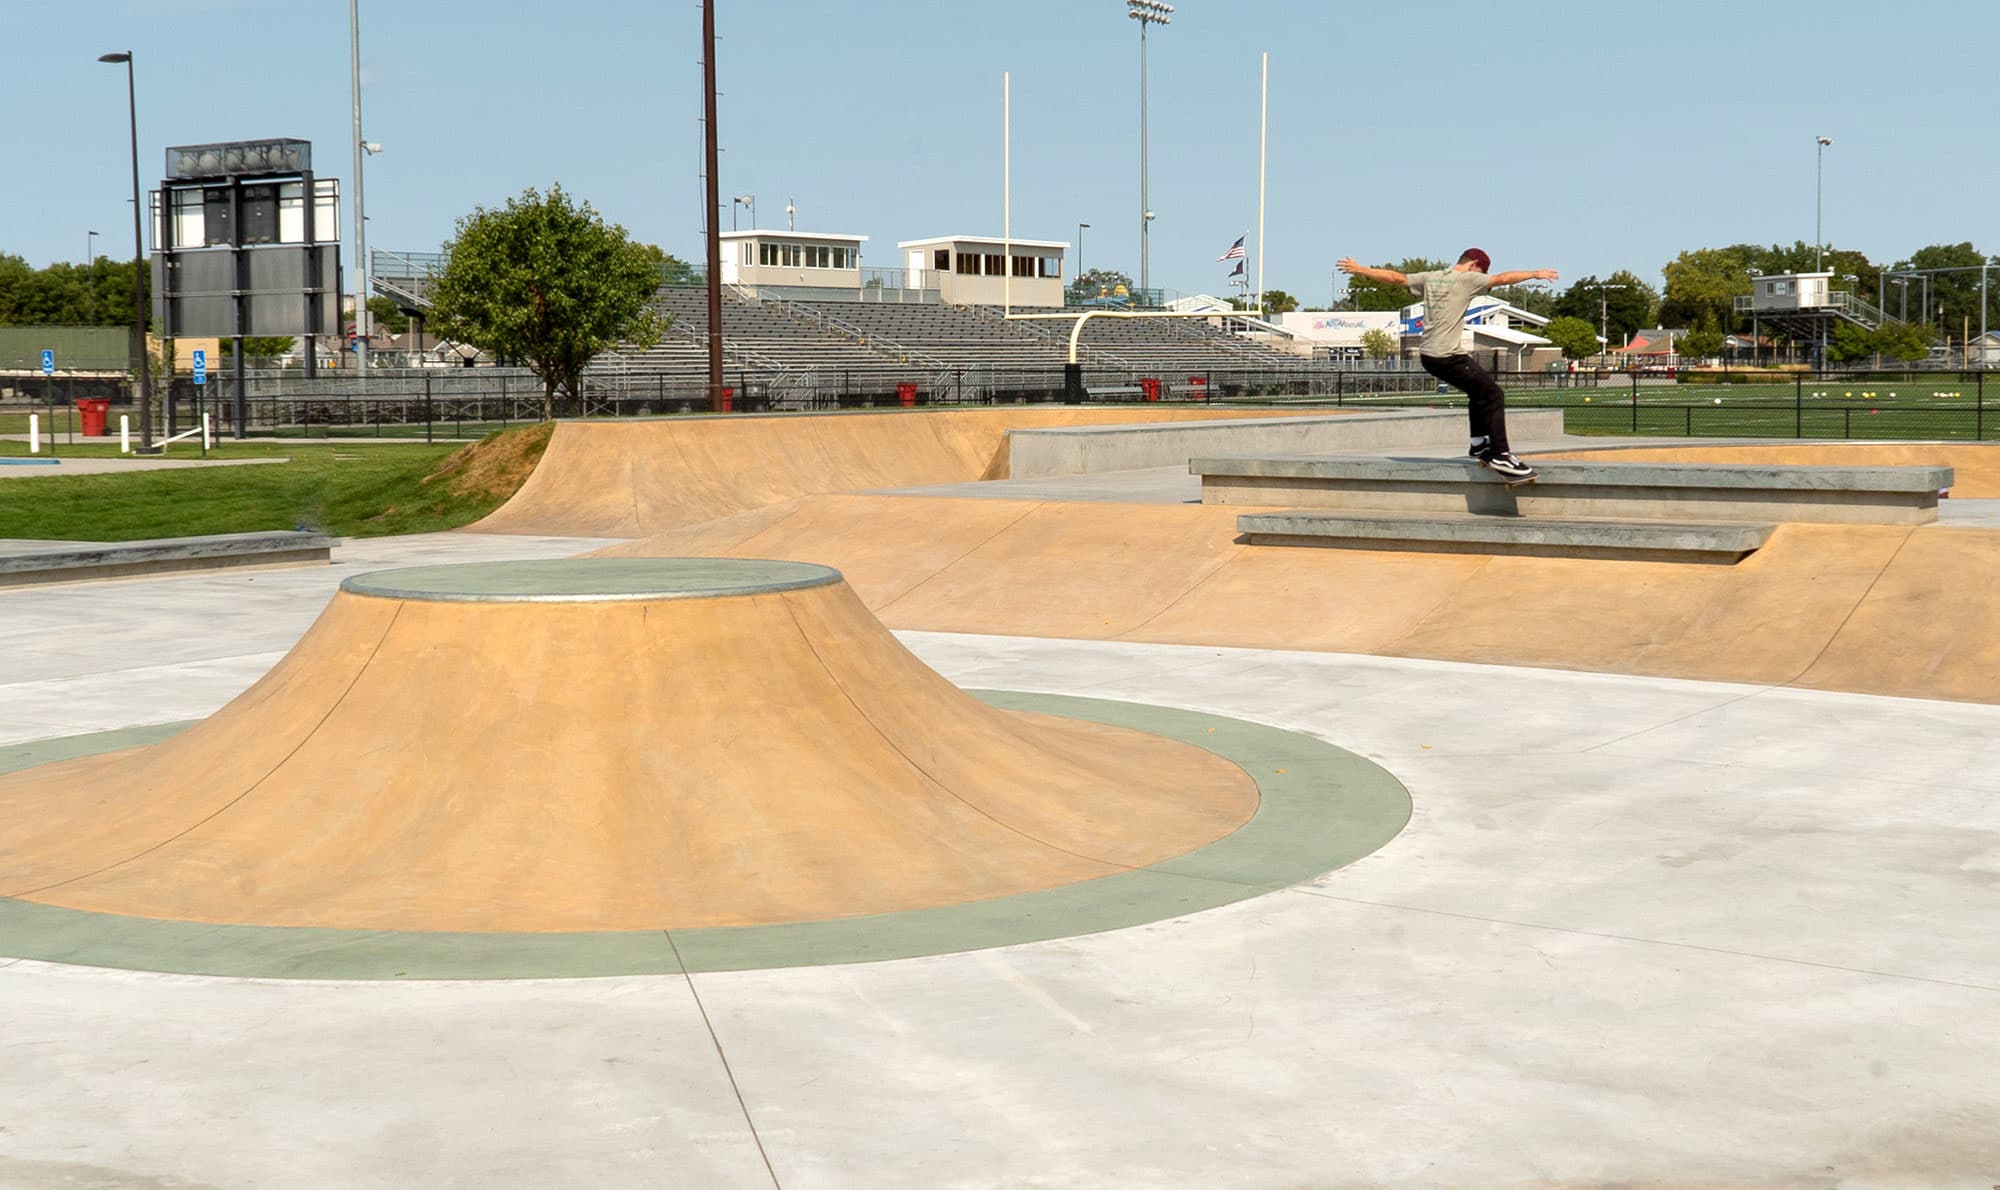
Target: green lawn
[[349, 490]]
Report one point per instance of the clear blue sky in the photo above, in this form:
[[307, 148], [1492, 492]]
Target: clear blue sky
[[1578, 135]]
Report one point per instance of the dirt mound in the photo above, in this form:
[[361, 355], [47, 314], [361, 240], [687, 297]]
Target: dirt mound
[[495, 467]]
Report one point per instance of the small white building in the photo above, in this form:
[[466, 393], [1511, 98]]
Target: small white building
[[1787, 291], [787, 260], [976, 271]]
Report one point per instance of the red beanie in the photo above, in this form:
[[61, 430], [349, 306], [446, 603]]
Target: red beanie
[[1477, 257]]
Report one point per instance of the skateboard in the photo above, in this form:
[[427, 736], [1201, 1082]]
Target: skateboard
[[1510, 481]]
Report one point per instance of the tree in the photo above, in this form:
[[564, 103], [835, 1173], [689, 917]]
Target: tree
[[1849, 343], [1377, 343], [1100, 283], [1627, 309], [1903, 341], [1704, 341], [1576, 337], [1533, 299], [1705, 282], [546, 281], [385, 314], [1957, 292], [1277, 301], [1366, 294], [260, 346]]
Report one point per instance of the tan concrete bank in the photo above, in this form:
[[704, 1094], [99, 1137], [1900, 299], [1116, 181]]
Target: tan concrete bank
[[627, 762], [629, 479], [1876, 609]]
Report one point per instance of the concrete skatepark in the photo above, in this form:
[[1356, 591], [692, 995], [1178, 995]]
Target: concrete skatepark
[[1139, 854]]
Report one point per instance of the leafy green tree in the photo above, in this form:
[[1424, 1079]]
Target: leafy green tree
[[1903, 341], [547, 281], [1705, 282], [1576, 337], [1277, 301], [1366, 294], [64, 294], [1849, 343], [1705, 340], [385, 315], [1957, 292], [1626, 310], [1532, 298], [260, 346], [1100, 283], [1377, 343]]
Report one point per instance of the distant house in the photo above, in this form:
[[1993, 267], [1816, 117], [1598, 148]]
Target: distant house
[[1655, 346], [1983, 351]]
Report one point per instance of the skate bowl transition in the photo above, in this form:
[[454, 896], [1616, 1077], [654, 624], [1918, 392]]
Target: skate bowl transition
[[599, 766]]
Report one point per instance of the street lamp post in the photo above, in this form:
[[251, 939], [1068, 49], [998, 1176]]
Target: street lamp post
[[1146, 12], [743, 200], [1080, 229], [1604, 317], [1819, 192], [138, 259], [362, 149], [1756, 340]]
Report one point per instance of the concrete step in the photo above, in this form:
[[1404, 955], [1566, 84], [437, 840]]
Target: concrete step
[[1628, 491], [69, 562], [1657, 541]]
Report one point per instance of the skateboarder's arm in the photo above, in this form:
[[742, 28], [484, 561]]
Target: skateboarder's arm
[[1386, 276], [1499, 279]]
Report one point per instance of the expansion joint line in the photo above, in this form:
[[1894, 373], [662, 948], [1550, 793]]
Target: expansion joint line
[[728, 1071]]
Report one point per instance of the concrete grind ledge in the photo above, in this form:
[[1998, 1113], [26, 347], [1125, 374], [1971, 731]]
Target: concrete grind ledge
[[69, 563], [1661, 541], [1632, 491], [1041, 453]]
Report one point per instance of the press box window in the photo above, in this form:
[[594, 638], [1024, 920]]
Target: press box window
[[968, 264], [996, 264], [1052, 267]]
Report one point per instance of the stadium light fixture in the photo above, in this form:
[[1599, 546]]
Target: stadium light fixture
[[124, 58], [743, 200], [1146, 12]]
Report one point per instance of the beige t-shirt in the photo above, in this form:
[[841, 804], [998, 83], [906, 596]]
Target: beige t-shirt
[[1446, 294]]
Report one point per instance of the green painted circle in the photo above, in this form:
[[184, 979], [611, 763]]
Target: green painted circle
[[590, 580], [1319, 808]]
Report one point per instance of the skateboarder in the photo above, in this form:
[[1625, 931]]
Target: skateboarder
[[1446, 293]]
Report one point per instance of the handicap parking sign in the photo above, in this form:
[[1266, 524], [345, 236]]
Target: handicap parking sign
[[200, 365], [48, 362]]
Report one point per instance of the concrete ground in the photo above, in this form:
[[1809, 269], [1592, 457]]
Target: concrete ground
[[75, 465], [1639, 931]]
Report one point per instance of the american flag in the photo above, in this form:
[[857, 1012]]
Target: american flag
[[1236, 249]]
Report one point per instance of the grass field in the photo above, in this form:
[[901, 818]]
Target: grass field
[[1926, 408], [347, 490]]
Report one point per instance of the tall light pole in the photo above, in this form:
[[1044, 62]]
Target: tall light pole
[[1819, 205], [1604, 315], [361, 149], [1080, 229], [743, 200], [1756, 343], [138, 260], [1146, 12], [711, 151]]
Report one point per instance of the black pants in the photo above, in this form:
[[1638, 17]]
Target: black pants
[[1488, 405]]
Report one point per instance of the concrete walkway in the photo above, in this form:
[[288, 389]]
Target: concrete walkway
[[1638, 931], [79, 465]]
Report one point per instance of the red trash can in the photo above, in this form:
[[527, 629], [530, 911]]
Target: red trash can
[[728, 399], [93, 411], [1150, 385], [1199, 385], [906, 395]]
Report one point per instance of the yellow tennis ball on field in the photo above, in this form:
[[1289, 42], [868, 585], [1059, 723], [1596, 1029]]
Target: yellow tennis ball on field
[[1848, 394], [1586, 400]]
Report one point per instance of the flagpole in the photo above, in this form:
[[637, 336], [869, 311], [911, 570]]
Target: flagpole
[[1263, 136], [1007, 191]]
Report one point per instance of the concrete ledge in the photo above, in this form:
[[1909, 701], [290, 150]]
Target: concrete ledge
[[77, 563], [1088, 450], [1646, 491], [1663, 541]]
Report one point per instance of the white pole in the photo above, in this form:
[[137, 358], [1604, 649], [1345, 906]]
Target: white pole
[[1263, 136], [34, 433], [124, 434], [207, 438], [1007, 192], [360, 203]]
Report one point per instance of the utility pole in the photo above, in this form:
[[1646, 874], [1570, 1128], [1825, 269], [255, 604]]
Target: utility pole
[[712, 207], [360, 203], [1819, 207]]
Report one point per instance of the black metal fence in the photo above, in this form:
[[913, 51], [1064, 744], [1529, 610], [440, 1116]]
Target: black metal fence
[[463, 403]]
